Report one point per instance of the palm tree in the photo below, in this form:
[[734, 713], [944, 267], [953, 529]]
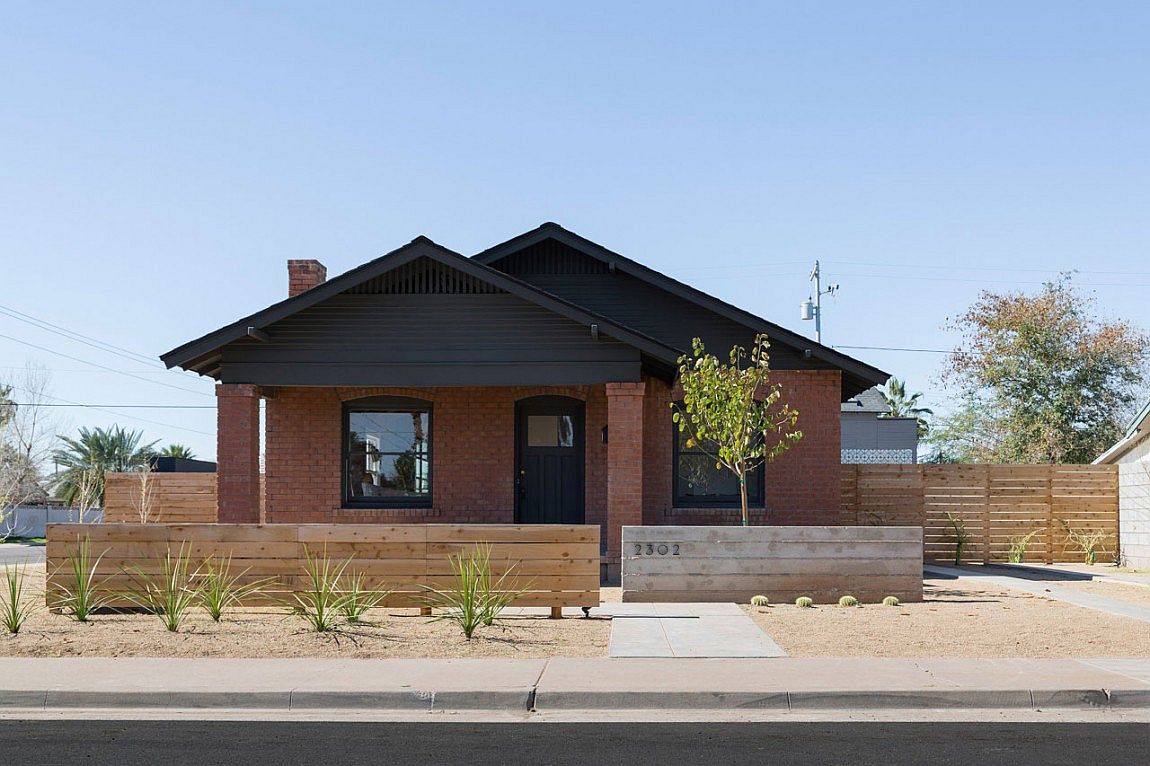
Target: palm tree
[[178, 450], [903, 406], [96, 451]]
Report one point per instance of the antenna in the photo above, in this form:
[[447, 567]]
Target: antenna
[[812, 307]]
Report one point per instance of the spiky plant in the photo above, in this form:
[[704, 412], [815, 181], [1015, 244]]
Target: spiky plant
[[79, 595], [322, 601], [221, 589], [169, 593], [804, 602], [848, 601], [759, 601], [359, 598], [890, 601], [15, 605]]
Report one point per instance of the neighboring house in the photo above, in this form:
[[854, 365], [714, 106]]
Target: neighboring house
[[868, 436], [1132, 455], [530, 383]]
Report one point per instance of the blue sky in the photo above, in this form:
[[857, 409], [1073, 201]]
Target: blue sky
[[161, 161]]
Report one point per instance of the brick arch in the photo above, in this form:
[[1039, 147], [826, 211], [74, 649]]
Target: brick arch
[[571, 392], [349, 394]]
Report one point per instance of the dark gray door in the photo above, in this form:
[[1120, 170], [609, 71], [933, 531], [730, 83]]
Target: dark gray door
[[549, 454]]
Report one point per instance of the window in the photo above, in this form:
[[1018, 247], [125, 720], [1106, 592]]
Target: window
[[698, 483], [387, 453]]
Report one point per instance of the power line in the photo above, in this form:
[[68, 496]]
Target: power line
[[102, 367], [88, 340], [915, 350], [109, 412], [122, 406]]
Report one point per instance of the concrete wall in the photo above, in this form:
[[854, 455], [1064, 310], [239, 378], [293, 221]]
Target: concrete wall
[[735, 563], [1134, 513]]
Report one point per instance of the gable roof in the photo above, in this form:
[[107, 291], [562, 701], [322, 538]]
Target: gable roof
[[1136, 433], [869, 401], [868, 375], [203, 354]]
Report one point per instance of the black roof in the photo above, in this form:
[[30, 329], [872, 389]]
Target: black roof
[[204, 354]]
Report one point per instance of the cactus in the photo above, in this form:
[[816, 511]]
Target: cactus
[[759, 601], [890, 601], [848, 601], [804, 602]]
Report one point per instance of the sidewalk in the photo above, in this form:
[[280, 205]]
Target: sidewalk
[[601, 684]]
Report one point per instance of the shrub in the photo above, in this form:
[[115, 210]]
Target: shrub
[[358, 598], [80, 598], [848, 601], [890, 601], [170, 593], [220, 589], [474, 598], [961, 538], [804, 602], [759, 601], [1089, 542], [321, 601], [1018, 545], [15, 606]]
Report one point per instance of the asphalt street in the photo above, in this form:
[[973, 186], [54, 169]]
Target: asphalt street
[[18, 553], [255, 743]]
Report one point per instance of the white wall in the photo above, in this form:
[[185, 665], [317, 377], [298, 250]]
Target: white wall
[[1134, 511]]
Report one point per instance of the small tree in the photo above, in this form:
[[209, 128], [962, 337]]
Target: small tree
[[732, 412]]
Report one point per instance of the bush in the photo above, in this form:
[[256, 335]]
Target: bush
[[172, 592], [80, 598], [804, 602], [321, 601], [848, 601], [890, 601], [474, 598], [220, 589], [15, 606], [759, 601], [1018, 546], [358, 598]]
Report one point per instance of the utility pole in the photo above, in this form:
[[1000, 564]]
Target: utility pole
[[812, 308]]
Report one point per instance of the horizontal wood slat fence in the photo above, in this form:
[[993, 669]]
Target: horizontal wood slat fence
[[173, 498], [558, 565], [995, 503]]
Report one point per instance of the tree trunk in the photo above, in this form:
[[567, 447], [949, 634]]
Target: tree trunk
[[743, 499]]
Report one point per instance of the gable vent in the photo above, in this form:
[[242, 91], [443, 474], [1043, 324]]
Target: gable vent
[[424, 276], [550, 257]]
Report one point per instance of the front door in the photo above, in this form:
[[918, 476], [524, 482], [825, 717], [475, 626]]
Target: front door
[[549, 452]]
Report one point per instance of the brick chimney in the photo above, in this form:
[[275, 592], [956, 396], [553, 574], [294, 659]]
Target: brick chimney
[[304, 275]]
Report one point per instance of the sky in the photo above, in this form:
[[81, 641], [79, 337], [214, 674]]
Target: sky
[[159, 163]]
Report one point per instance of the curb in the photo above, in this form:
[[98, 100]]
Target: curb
[[530, 700]]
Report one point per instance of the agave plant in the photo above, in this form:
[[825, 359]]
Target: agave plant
[[79, 594]]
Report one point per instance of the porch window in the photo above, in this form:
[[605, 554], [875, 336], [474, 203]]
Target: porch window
[[387, 453], [698, 483]]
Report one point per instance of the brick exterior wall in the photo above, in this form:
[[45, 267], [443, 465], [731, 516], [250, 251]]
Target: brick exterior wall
[[304, 275], [473, 454], [238, 453], [802, 486]]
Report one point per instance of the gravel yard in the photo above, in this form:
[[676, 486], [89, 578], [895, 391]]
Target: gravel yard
[[1136, 594], [275, 633], [959, 618]]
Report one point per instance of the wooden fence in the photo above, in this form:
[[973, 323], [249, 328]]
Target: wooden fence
[[174, 498], [557, 565], [995, 505]]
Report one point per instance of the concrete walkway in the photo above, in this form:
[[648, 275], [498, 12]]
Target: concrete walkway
[[21, 553], [522, 686], [686, 630], [1046, 588]]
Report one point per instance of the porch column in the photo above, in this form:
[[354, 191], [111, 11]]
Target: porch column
[[238, 453], [624, 466]]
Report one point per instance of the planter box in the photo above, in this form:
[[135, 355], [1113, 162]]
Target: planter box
[[672, 563]]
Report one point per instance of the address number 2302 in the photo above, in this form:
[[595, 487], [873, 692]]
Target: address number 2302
[[656, 549]]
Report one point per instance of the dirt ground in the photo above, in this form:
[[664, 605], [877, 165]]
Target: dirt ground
[[1137, 594], [275, 633], [959, 618]]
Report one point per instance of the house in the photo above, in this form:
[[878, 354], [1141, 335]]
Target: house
[[530, 383], [868, 436], [1132, 455]]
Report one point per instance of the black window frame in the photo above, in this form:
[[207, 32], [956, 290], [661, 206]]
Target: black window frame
[[756, 482], [386, 404]]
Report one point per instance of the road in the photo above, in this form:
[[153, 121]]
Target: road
[[145, 743], [19, 553]]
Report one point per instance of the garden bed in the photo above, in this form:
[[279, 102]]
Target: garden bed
[[272, 632], [958, 618]]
